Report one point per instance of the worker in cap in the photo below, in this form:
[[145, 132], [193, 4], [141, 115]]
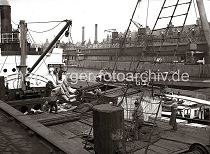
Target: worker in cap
[[138, 119]]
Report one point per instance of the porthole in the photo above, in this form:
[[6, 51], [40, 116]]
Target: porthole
[[5, 70], [14, 69]]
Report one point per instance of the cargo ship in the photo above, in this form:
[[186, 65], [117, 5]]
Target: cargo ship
[[173, 49]]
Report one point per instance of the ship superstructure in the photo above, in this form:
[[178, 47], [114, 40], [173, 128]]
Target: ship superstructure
[[13, 43]]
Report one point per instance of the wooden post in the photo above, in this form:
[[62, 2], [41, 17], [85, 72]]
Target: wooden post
[[23, 52], [108, 128]]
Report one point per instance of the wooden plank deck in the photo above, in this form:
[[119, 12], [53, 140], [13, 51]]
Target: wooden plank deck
[[168, 142], [49, 119], [67, 146], [186, 133], [178, 141]]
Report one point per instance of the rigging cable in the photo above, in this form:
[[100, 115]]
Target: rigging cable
[[29, 34], [44, 22], [38, 69], [121, 49], [15, 23], [148, 4], [126, 33], [129, 84], [196, 13], [4, 63], [127, 90], [45, 30], [127, 87]]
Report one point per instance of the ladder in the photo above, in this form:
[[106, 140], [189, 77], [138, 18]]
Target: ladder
[[175, 6], [165, 31]]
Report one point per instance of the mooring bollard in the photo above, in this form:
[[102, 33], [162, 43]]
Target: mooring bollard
[[108, 128]]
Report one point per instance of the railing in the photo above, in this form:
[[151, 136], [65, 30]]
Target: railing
[[14, 80], [10, 38]]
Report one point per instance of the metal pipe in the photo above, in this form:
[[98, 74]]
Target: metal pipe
[[205, 25], [68, 23]]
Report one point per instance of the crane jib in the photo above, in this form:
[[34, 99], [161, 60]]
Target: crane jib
[[68, 23]]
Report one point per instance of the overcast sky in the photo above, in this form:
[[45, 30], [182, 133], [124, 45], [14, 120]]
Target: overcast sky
[[108, 14]]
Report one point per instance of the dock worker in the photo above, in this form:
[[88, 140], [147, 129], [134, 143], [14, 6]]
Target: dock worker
[[138, 119], [49, 87], [54, 99], [45, 106], [60, 72], [80, 94], [172, 121]]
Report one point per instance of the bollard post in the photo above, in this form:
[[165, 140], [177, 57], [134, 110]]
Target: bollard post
[[108, 128]]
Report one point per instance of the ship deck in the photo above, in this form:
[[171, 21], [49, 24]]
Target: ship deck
[[68, 131], [176, 141]]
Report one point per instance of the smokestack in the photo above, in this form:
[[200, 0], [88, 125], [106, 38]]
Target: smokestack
[[5, 8], [83, 34], [96, 34]]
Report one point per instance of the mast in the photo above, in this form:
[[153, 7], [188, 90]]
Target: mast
[[23, 52], [205, 25]]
